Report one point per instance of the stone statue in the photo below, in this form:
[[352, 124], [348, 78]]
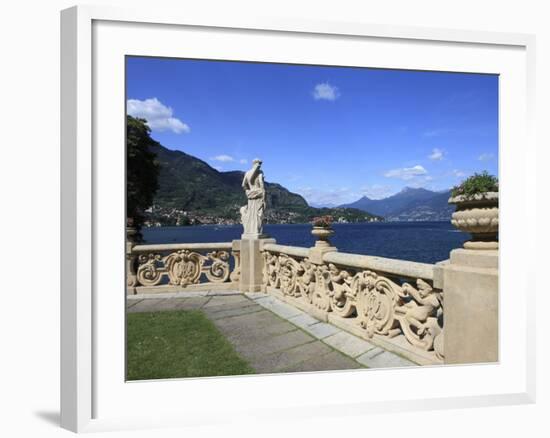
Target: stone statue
[[252, 214]]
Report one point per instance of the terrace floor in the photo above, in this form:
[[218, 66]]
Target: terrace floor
[[273, 336]]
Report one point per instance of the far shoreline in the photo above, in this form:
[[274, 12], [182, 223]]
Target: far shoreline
[[298, 223]]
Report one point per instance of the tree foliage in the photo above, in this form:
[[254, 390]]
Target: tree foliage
[[142, 169]]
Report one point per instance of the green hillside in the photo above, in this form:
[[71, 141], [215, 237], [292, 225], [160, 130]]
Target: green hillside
[[191, 191]]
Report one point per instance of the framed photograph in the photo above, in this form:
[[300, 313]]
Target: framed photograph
[[256, 208]]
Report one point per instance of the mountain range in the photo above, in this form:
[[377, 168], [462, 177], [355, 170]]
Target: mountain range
[[410, 204], [192, 191], [191, 187]]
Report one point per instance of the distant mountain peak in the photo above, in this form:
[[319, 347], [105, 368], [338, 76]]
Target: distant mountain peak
[[408, 189], [411, 203]]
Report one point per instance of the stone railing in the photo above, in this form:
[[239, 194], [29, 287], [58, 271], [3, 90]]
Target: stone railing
[[189, 266], [392, 303], [395, 304]]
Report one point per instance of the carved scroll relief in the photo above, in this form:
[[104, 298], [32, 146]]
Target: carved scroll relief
[[186, 267], [378, 304]]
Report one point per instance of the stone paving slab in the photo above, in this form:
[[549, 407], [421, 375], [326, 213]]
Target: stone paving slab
[[275, 336], [224, 307], [131, 303], [183, 294], [226, 299], [321, 330], [257, 320], [169, 304], [279, 308], [269, 363], [168, 295], [273, 344], [250, 334], [233, 312], [349, 344], [253, 327], [192, 303], [264, 301], [223, 292], [362, 351], [303, 320], [146, 305], [379, 358], [256, 295]]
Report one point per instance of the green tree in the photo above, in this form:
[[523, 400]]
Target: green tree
[[142, 170]]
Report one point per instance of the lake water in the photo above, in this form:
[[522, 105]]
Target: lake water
[[426, 242]]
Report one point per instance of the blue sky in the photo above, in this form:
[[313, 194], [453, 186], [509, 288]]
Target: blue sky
[[332, 134]]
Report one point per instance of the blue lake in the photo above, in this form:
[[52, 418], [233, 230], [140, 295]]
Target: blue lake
[[426, 242]]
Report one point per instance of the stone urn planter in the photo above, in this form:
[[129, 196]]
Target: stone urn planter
[[478, 215], [322, 234]]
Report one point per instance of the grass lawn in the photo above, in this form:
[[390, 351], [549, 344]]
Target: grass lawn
[[161, 345]]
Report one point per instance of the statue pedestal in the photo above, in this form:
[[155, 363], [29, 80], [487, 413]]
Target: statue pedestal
[[252, 263], [250, 236]]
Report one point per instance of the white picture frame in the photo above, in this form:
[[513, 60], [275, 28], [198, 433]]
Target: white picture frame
[[87, 314]]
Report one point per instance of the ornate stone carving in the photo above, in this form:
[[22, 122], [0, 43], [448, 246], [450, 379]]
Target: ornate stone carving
[[378, 304], [271, 269], [289, 270], [306, 282], [218, 271], [185, 267], [342, 298], [236, 274], [320, 297], [150, 270], [418, 314]]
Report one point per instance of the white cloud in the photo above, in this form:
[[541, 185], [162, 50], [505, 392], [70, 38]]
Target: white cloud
[[159, 117], [243, 161], [436, 155], [223, 158], [325, 91], [406, 173], [486, 157]]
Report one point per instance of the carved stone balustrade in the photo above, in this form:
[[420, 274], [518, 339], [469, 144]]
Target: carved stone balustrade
[[395, 304], [173, 267], [392, 303]]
